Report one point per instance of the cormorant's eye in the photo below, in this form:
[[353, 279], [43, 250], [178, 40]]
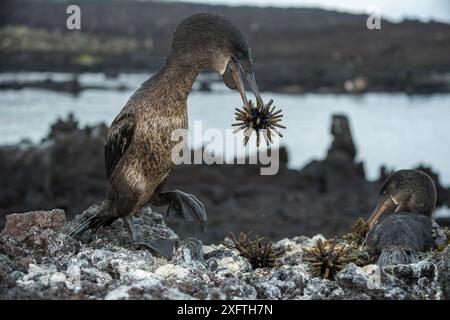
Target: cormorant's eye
[[240, 56]]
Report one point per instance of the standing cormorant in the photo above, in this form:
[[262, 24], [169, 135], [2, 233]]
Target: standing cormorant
[[398, 237], [138, 146]]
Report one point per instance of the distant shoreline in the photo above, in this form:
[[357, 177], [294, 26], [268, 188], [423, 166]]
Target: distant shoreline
[[296, 50], [74, 86]]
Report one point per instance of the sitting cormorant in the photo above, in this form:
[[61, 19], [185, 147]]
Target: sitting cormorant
[[138, 146], [398, 237]]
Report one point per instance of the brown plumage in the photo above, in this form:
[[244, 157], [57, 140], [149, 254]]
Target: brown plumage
[[138, 147]]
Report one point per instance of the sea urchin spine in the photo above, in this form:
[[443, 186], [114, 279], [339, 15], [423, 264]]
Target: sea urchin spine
[[259, 252], [262, 118]]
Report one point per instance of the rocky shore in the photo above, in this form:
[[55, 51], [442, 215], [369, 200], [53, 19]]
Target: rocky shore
[[38, 260], [298, 210]]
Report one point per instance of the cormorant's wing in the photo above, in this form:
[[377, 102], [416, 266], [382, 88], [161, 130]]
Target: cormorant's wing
[[118, 140]]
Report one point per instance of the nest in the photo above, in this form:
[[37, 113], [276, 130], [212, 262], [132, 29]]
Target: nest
[[262, 118], [259, 252], [327, 258]]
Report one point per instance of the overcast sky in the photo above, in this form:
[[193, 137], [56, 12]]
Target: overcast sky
[[394, 9]]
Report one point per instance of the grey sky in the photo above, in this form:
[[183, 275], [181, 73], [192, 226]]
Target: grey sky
[[393, 9]]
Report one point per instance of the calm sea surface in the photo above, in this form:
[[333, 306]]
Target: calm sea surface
[[396, 130]]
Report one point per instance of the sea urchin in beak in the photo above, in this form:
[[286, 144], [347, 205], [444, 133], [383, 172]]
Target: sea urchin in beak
[[261, 118]]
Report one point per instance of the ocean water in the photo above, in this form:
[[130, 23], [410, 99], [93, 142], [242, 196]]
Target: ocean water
[[395, 130]]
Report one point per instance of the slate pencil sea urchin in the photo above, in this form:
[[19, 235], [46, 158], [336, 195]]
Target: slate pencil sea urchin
[[259, 252], [328, 257], [262, 118]]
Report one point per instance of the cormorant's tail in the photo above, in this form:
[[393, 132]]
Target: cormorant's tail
[[397, 255], [98, 219]]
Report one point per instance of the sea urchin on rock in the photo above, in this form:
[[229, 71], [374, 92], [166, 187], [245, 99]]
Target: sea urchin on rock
[[328, 257], [262, 118], [259, 252]]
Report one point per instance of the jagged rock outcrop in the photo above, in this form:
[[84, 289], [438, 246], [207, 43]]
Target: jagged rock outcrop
[[342, 146], [326, 196], [38, 260], [65, 171]]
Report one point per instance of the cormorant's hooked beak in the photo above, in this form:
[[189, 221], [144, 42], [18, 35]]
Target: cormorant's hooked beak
[[385, 204], [233, 75]]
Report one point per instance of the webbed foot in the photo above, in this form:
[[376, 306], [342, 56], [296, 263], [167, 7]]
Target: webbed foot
[[184, 206], [163, 246]]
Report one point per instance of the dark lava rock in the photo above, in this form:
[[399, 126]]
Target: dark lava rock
[[43, 262]]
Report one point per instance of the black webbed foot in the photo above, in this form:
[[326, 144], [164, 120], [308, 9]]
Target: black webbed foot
[[163, 246], [184, 206]]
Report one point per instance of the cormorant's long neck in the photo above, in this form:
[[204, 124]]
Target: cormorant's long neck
[[170, 86]]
